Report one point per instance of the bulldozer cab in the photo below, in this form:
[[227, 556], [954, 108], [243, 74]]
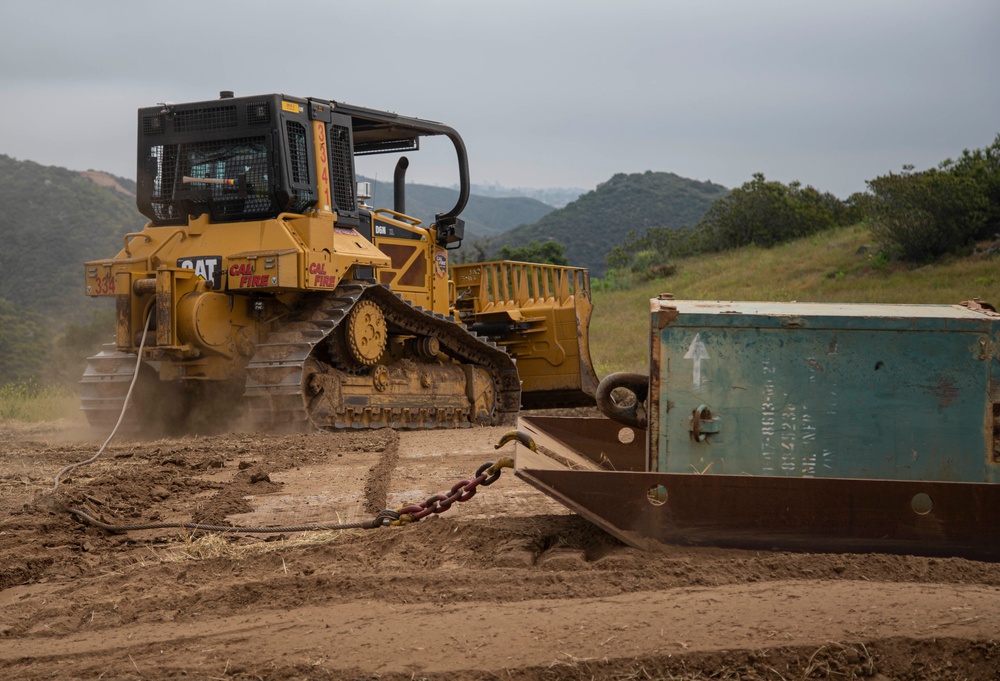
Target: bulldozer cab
[[254, 158], [238, 159]]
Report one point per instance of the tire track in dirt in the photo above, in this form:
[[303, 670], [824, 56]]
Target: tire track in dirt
[[539, 633]]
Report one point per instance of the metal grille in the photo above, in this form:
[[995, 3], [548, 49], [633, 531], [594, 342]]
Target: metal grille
[[243, 161], [166, 168], [258, 112], [152, 125], [214, 118], [298, 159], [342, 168], [303, 199]]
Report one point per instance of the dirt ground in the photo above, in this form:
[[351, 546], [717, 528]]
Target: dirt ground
[[509, 585]]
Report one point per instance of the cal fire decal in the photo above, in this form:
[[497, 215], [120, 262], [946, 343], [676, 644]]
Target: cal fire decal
[[242, 275], [441, 263], [208, 267], [319, 277]]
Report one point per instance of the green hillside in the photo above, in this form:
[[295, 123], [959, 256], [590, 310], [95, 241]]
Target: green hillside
[[51, 221], [591, 226], [484, 216], [838, 265]]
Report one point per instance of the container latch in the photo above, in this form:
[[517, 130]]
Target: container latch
[[703, 423]]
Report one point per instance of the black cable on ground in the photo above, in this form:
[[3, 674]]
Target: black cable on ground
[[380, 520]]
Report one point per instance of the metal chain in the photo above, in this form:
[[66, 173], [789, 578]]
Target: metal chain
[[463, 490]]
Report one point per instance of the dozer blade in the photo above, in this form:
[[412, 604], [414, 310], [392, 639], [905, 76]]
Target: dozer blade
[[596, 467], [540, 314]]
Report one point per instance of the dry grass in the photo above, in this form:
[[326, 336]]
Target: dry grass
[[239, 547], [828, 267], [26, 401]]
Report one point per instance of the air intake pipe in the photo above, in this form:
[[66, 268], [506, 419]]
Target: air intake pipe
[[399, 185]]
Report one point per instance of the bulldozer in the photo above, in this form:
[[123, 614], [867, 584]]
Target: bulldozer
[[264, 287]]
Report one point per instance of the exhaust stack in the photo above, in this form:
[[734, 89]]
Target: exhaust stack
[[399, 185]]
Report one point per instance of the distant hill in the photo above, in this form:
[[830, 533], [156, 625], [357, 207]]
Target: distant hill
[[557, 197], [51, 221], [484, 216], [591, 226]]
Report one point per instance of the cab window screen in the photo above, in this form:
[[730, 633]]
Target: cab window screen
[[238, 171], [298, 159], [342, 168]]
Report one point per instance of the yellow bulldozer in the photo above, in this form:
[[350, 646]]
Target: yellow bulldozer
[[264, 287]]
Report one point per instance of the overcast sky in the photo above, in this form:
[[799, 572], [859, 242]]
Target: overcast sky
[[546, 93]]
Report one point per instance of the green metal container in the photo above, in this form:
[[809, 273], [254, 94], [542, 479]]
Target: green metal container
[[814, 390]]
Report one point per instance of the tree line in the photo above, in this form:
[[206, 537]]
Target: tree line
[[913, 216]]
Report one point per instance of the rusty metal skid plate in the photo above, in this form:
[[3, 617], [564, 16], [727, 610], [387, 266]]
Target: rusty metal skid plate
[[752, 511]]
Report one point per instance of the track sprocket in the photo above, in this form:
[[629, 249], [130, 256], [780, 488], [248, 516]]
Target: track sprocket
[[366, 332]]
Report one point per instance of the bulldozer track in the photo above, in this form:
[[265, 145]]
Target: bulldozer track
[[277, 387], [278, 375], [104, 386]]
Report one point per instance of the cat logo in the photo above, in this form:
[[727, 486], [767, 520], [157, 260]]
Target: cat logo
[[208, 267]]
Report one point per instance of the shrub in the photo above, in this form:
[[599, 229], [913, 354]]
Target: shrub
[[547, 252], [766, 213], [918, 216], [760, 212], [650, 264], [982, 166]]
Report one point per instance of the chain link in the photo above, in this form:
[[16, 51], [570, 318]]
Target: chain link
[[463, 490]]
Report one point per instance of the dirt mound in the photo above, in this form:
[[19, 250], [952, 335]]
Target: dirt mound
[[508, 584]]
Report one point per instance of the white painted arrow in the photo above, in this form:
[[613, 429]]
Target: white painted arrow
[[697, 352]]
